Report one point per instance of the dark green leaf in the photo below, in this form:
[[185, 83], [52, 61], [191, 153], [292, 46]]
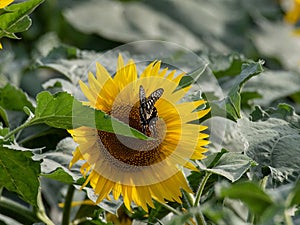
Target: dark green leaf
[[254, 197], [16, 20], [233, 101], [63, 111], [283, 111], [19, 173], [12, 98], [295, 195], [3, 116], [60, 175], [226, 65]]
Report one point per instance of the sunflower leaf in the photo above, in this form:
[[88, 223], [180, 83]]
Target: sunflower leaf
[[69, 61], [63, 111], [12, 98], [230, 165], [273, 142], [233, 100], [15, 19], [55, 164], [226, 65], [19, 173], [191, 77], [12, 103], [256, 199]]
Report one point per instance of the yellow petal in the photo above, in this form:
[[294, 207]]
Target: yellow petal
[[4, 3]]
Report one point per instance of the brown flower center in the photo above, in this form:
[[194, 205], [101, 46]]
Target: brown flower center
[[129, 150]]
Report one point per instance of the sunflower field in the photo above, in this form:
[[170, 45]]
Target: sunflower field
[[163, 112]]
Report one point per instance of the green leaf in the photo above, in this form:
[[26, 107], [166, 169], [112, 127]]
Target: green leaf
[[251, 194], [230, 165], [170, 20], [63, 59], [109, 206], [191, 77], [16, 19], [226, 65], [55, 164], [274, 143], [272, 86], [3, 116], [60, 175], [283, 111], [19, 173], [233, 101], [295, 200], [12, 98], [63, 111]]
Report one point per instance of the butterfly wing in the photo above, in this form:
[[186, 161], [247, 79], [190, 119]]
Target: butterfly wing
[[148, 112]]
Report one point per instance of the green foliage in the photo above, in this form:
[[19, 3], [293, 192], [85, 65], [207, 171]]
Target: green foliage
[[19, 173], [251, 173], [15, 19]]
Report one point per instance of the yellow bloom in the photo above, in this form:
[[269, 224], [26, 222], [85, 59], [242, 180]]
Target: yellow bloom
[[4, 3], [140, 170], [293, 15]]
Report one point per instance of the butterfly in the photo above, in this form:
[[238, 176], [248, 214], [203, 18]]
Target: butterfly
[[148, 112]]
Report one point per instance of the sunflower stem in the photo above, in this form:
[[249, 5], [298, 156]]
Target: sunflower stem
[[67, 205], [199, 217], [40, 210], [24, 125], [190, 198], [18, 212], [201, 188], [287, 218], [170, 208]]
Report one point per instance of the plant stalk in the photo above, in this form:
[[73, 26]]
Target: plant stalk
[[67, 205], [199, 217], [24, 125], [17, 212]]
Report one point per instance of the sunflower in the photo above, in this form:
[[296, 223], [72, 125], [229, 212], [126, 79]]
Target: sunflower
[[292, 16], [140, 170], [3, 4]]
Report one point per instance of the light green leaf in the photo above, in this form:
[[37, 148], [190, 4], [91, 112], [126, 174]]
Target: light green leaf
[[69, 61], [63, 111], [109, 206], [19, 173], [230, 165], [16, 19], [283, 111], [273, 142], [272, 86], [55, 164], [191, 77]]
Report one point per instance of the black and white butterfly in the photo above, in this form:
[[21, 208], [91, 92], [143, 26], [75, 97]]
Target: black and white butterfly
[[148, 112]]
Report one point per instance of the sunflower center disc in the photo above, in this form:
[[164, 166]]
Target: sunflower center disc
[[133, 151]]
